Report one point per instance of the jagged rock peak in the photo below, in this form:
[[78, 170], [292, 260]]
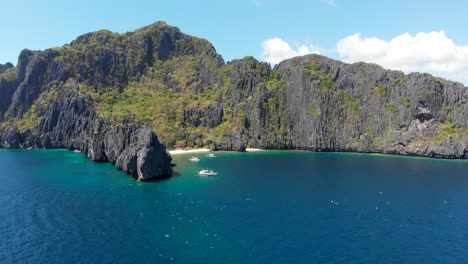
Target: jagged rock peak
[[4, 67], [168, 39]]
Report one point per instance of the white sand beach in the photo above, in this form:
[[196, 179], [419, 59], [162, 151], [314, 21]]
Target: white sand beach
[[185, 151], [253, 149]]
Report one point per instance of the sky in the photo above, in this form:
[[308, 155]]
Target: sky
[[422, 36]]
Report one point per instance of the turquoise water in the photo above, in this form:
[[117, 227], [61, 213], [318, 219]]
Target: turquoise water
[[292, 207]]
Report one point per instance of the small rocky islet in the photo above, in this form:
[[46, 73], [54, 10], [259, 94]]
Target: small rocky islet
[[124, 98]]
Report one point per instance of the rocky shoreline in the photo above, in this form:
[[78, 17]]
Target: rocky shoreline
[[135, 151], [71, 124]]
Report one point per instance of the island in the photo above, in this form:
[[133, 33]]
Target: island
[[125, 98]]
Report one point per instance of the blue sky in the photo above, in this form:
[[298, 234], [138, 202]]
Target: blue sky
[[239, 28]]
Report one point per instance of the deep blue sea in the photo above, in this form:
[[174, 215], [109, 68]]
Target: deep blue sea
[[56, 206]]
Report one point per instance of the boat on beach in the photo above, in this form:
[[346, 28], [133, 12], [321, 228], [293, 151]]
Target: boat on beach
[[207, 173]]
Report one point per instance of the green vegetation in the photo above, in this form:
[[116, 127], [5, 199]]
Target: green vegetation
[[450, 115], [447, 130], [369, 131], [392, 108], [324, 81], [31, 120], [141, 105], [380, 90], [35, 114], [385, 139], [400, 82], [275, 83], [314, 112], [406, 102], [439, 80], [9, 75], [351, 104]]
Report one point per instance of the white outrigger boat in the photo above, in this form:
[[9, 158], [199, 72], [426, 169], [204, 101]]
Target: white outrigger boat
[[211, 155], [207, 173], [194, 159]]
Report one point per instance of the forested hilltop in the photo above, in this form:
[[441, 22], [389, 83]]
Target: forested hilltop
[[117, 96]]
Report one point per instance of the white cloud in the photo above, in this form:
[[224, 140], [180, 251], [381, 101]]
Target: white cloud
[[430, 52], [276, 50]]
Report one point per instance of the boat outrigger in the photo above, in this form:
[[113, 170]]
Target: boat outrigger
[[211, 155], [207, 173]]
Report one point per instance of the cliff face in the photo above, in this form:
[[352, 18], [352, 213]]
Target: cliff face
[[70, 122], [315, 103], [109, 95]]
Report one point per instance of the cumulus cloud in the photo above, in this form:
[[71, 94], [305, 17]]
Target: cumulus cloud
[[432, 52], [276, 50]]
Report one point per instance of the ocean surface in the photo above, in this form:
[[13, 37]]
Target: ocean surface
[[56, 206]]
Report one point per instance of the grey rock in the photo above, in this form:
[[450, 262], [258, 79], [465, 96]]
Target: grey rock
[[6, 66], [328, 105], [145, 158], [210, 116], [231, 141], [71, 123]]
